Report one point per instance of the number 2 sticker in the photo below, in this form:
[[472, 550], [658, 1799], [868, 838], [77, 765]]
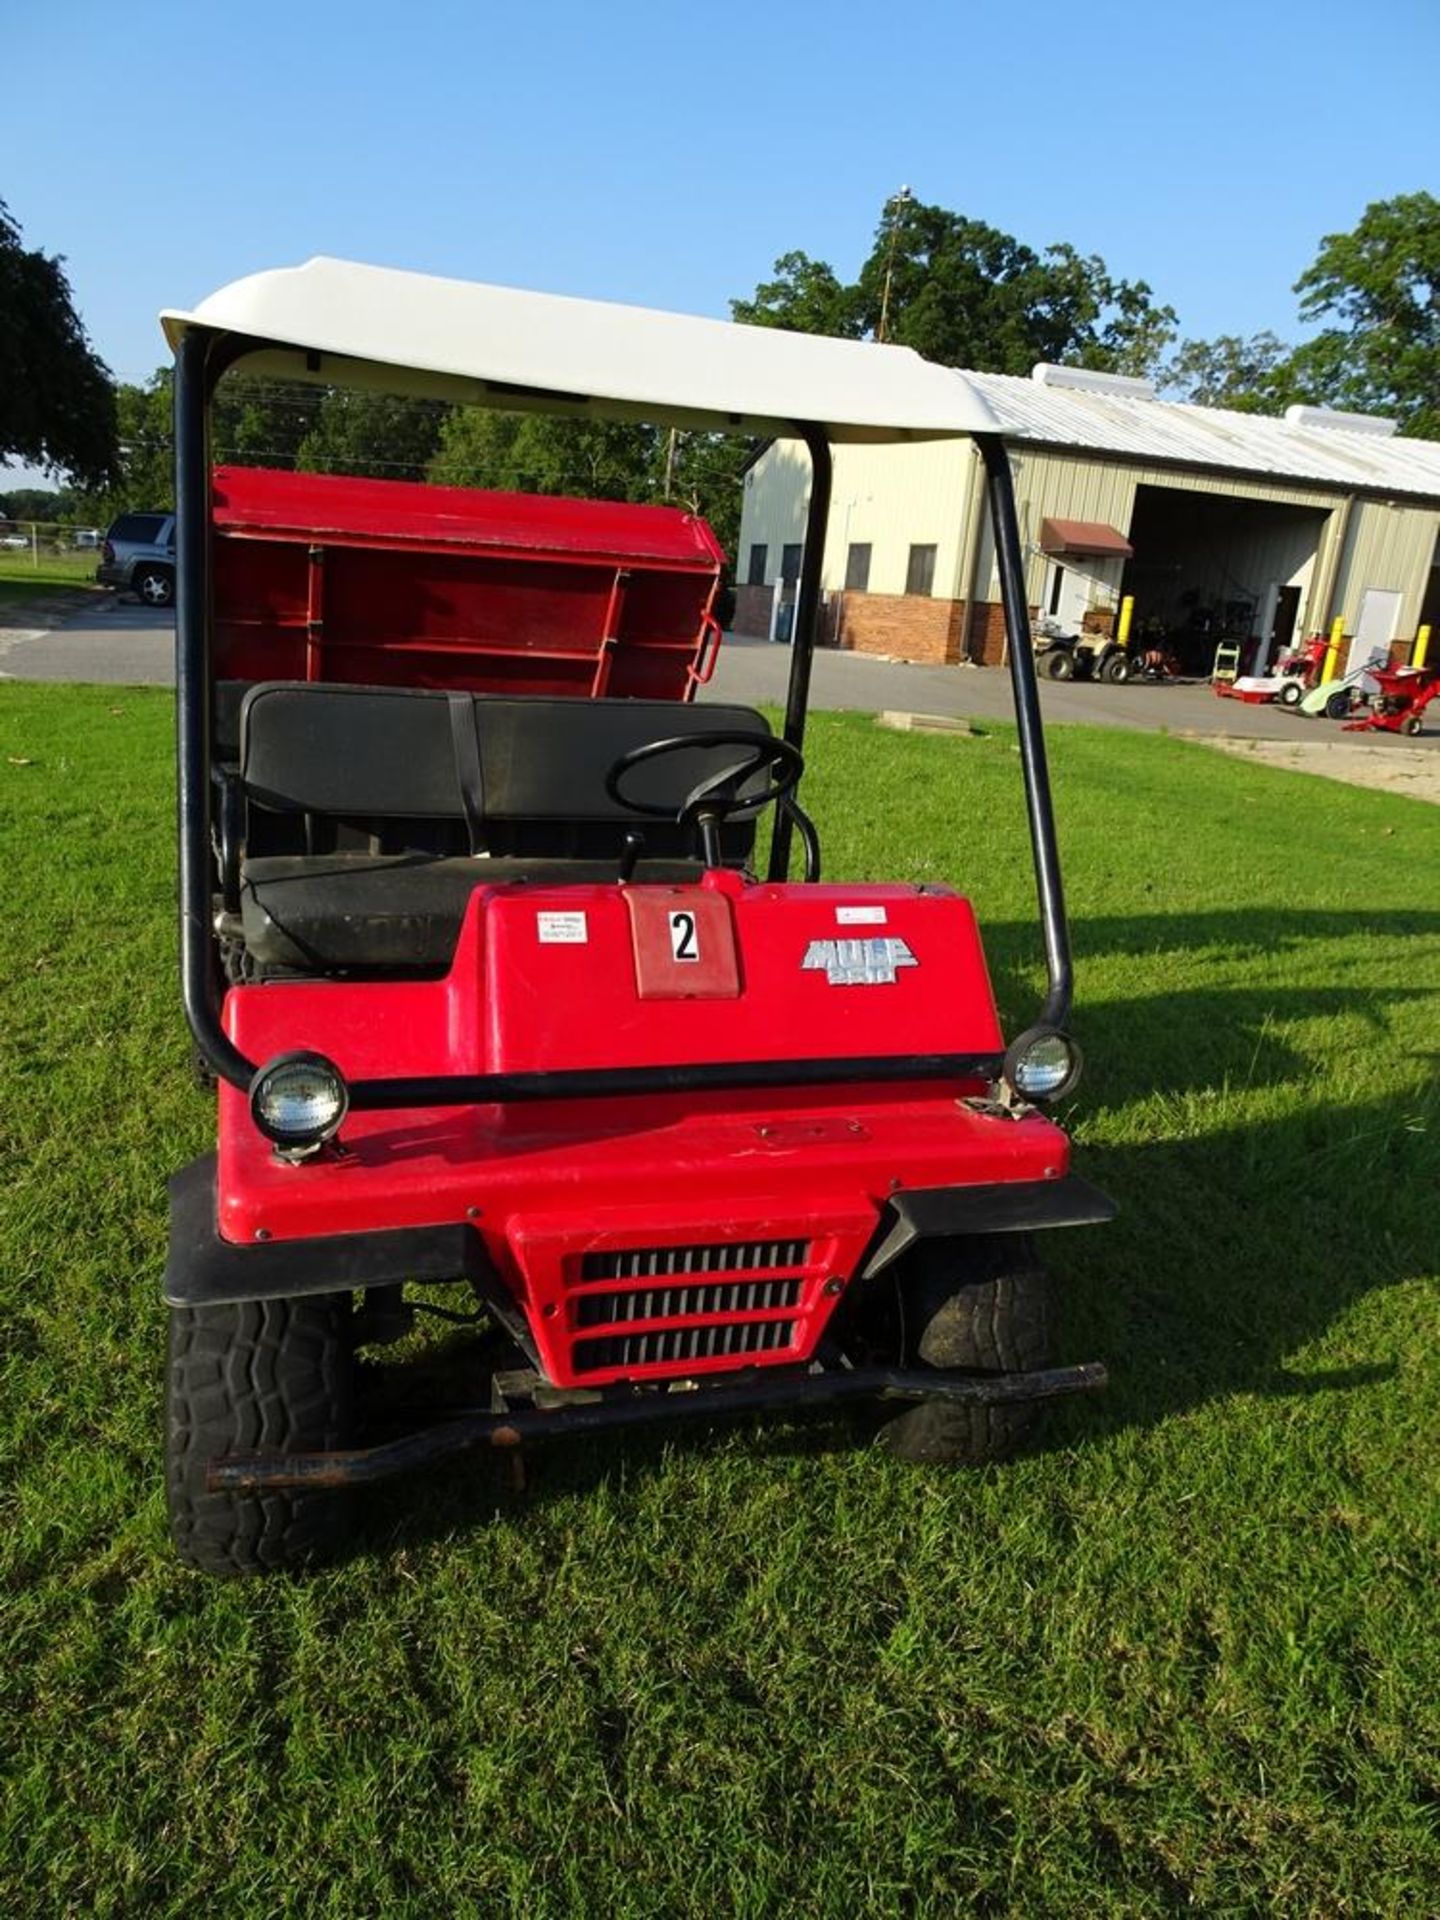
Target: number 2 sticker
[[684, 939]]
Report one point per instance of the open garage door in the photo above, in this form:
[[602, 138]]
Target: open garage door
[[1209, 567]]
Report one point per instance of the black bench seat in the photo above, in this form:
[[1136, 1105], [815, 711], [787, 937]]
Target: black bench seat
[[359, 801], [392, 912]]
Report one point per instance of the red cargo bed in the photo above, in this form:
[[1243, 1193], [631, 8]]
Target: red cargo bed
[[386, 582]]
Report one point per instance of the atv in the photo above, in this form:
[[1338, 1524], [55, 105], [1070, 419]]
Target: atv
[[511, 1018]]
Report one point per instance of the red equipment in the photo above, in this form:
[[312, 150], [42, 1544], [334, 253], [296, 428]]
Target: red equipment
[[1404, 694], [494, 991], [390, 583]]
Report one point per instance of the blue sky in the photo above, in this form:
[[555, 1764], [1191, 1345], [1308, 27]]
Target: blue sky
[[667, 154]]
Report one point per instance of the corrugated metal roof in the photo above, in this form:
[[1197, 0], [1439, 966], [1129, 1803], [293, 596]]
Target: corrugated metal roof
[[1167, 433]]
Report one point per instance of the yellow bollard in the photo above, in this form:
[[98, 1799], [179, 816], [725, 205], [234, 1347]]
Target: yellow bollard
[[1330, 671], [1420, 648], [1127, 614]]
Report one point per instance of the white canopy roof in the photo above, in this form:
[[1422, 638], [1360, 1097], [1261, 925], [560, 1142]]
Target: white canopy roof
[[338, 322]]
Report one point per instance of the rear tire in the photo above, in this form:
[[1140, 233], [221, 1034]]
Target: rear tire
[[1412, 725], [1116, 669], [1059, 665], [1291, 693], [154, 587], [981, 1304], [258, 1375]]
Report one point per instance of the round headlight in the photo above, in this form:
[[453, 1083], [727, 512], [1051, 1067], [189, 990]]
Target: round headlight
[[1042, 1064], [298, 1101]]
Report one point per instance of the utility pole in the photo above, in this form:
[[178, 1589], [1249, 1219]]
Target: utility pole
[[893, 207]]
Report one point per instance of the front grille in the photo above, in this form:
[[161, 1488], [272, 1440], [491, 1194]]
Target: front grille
[[669, 1345], [678, 1303], [739, 1256]]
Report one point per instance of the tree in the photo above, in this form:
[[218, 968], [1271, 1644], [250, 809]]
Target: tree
[[57, 407], [386, 435], [38, 503], [1379, 286], [967, 295], [1251, 375], [805, 296], [596, 460], [547, 453]]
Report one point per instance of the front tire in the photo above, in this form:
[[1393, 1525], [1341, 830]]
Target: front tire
[[1337, 707], [1116, 669], [249, 1377], [979, 1304], [1291, 693], [1059, 665]]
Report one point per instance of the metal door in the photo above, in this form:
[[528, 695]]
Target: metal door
[[1375, 629]]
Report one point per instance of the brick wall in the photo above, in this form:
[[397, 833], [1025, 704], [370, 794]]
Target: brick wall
[[987, 634], [752, 610], [904, 626]]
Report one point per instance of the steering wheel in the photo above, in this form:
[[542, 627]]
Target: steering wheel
[[719, 796]]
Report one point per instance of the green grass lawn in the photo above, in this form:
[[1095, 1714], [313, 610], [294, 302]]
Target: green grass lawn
[[22, 578], [1181, 1656]]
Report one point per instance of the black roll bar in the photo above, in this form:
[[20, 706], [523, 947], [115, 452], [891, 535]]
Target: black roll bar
[[807, 622], [195, 378], [1033, 764], [201, 359]]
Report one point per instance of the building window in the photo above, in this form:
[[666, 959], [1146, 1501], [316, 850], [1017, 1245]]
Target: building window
[[759, 554], [789, 565], [920, 574], [857, 567]]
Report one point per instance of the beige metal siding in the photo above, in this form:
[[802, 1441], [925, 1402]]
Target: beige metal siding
[[889, 497], [773, 513], [1058, 486], [1388, 546]]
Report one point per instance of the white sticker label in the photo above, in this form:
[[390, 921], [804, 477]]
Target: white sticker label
[[860, 916], [562, 929], [684, 936]]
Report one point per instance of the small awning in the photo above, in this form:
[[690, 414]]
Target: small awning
[[1083, 536]]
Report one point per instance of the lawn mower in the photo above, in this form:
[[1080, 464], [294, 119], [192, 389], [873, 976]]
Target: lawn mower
[[1338, 699], [1299, 669], [503, 1009], [1398, 705]]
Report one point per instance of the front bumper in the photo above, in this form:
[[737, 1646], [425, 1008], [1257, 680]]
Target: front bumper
[[641, 1407]]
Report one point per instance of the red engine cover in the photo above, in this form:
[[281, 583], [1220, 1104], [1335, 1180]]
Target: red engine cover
[[649, 1237]]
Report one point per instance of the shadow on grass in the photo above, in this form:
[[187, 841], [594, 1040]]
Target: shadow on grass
[[1257, 1204]]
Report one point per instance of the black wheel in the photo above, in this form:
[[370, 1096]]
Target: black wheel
[[982, 1304], [262, 1374], [154, 586], [1338, 705], [1412, 725], [1116, 669], [1291, 693], [1059, 665]]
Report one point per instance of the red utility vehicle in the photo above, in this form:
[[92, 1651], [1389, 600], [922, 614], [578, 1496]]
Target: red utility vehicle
[[495, 996]]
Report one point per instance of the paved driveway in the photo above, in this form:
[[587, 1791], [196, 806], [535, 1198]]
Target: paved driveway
[[119, 642]]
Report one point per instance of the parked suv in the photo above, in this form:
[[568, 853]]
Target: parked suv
[[139, 554]]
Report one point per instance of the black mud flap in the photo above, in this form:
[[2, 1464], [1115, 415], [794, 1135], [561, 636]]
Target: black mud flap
[[1011, 1206], [202, 1270]]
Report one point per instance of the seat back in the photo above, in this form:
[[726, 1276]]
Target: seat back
[[394, 764]]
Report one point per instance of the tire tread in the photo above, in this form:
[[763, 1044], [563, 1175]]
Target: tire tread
[[260, 1374]]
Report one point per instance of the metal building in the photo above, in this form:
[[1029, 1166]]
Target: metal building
[[1217, 525]]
